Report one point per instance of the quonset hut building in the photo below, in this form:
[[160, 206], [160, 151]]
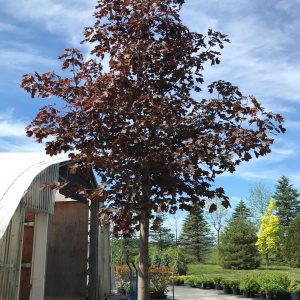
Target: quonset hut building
[[51, 247]]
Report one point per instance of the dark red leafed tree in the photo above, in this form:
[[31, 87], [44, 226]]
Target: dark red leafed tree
[[142, 125]]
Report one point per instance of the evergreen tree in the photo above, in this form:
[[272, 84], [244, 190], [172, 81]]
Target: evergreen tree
[[241, 211], [165, 260], [286, 198], [179, 265], [124, 249], [237, 249], [196, 236], [162, 236], [156, 259], [291, 248]]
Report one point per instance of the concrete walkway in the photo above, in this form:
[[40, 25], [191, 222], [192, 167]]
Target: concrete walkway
[[188, 293]]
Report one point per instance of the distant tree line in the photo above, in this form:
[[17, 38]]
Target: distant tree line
[[264, 226]]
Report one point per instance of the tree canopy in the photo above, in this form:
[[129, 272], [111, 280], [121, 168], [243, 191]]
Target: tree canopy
[[138, 125], [269, 232], [143, 124]]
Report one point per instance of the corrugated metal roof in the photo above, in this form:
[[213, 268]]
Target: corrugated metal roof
[[17, 171]]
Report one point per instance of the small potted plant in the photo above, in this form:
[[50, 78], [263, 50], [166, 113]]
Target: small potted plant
[[179, 279], [275, 286], [122, 276], [226, 286], [191, 281], [250, 286], [235, 286], [218, 282], [294, 289], [199, 282], [207, 283], [159, 281]]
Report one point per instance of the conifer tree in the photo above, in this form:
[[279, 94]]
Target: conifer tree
[[287, 203], [165, 260], [196, 236], [156, 259], [162, 236], [241, 211], [291, 248], [237, 249]]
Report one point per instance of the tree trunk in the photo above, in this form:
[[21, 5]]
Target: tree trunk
[[218, 237], [143, 276], [267, 261]]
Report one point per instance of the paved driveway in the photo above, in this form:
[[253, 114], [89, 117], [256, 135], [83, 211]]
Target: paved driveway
[[188, 293]]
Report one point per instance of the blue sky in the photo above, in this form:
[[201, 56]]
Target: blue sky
[[263, 59]]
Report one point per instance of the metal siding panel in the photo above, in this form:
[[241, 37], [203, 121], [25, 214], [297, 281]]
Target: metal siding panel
[[41, 198], [93, 252], [10, 256]]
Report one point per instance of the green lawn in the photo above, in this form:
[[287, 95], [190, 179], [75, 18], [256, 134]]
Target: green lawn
[[215, 270]]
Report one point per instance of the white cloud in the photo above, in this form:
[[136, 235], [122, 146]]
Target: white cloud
[[283, 160], [292, 124], [262, 58], [12, 134], [23, 59], [20, 145], [60, 17], [10, 127], [6, 27]]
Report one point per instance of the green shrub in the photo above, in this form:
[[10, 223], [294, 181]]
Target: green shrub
[[249, 284], [180, 279], [204, 281], [208, 282], [217, 280], [274, 283], [225, 283], [126, 287], [165, 260], [294, 286], [122, 275], [199, 280], [178, 261], [234, 284], [159, 280], [155, 261], [191, 281]]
